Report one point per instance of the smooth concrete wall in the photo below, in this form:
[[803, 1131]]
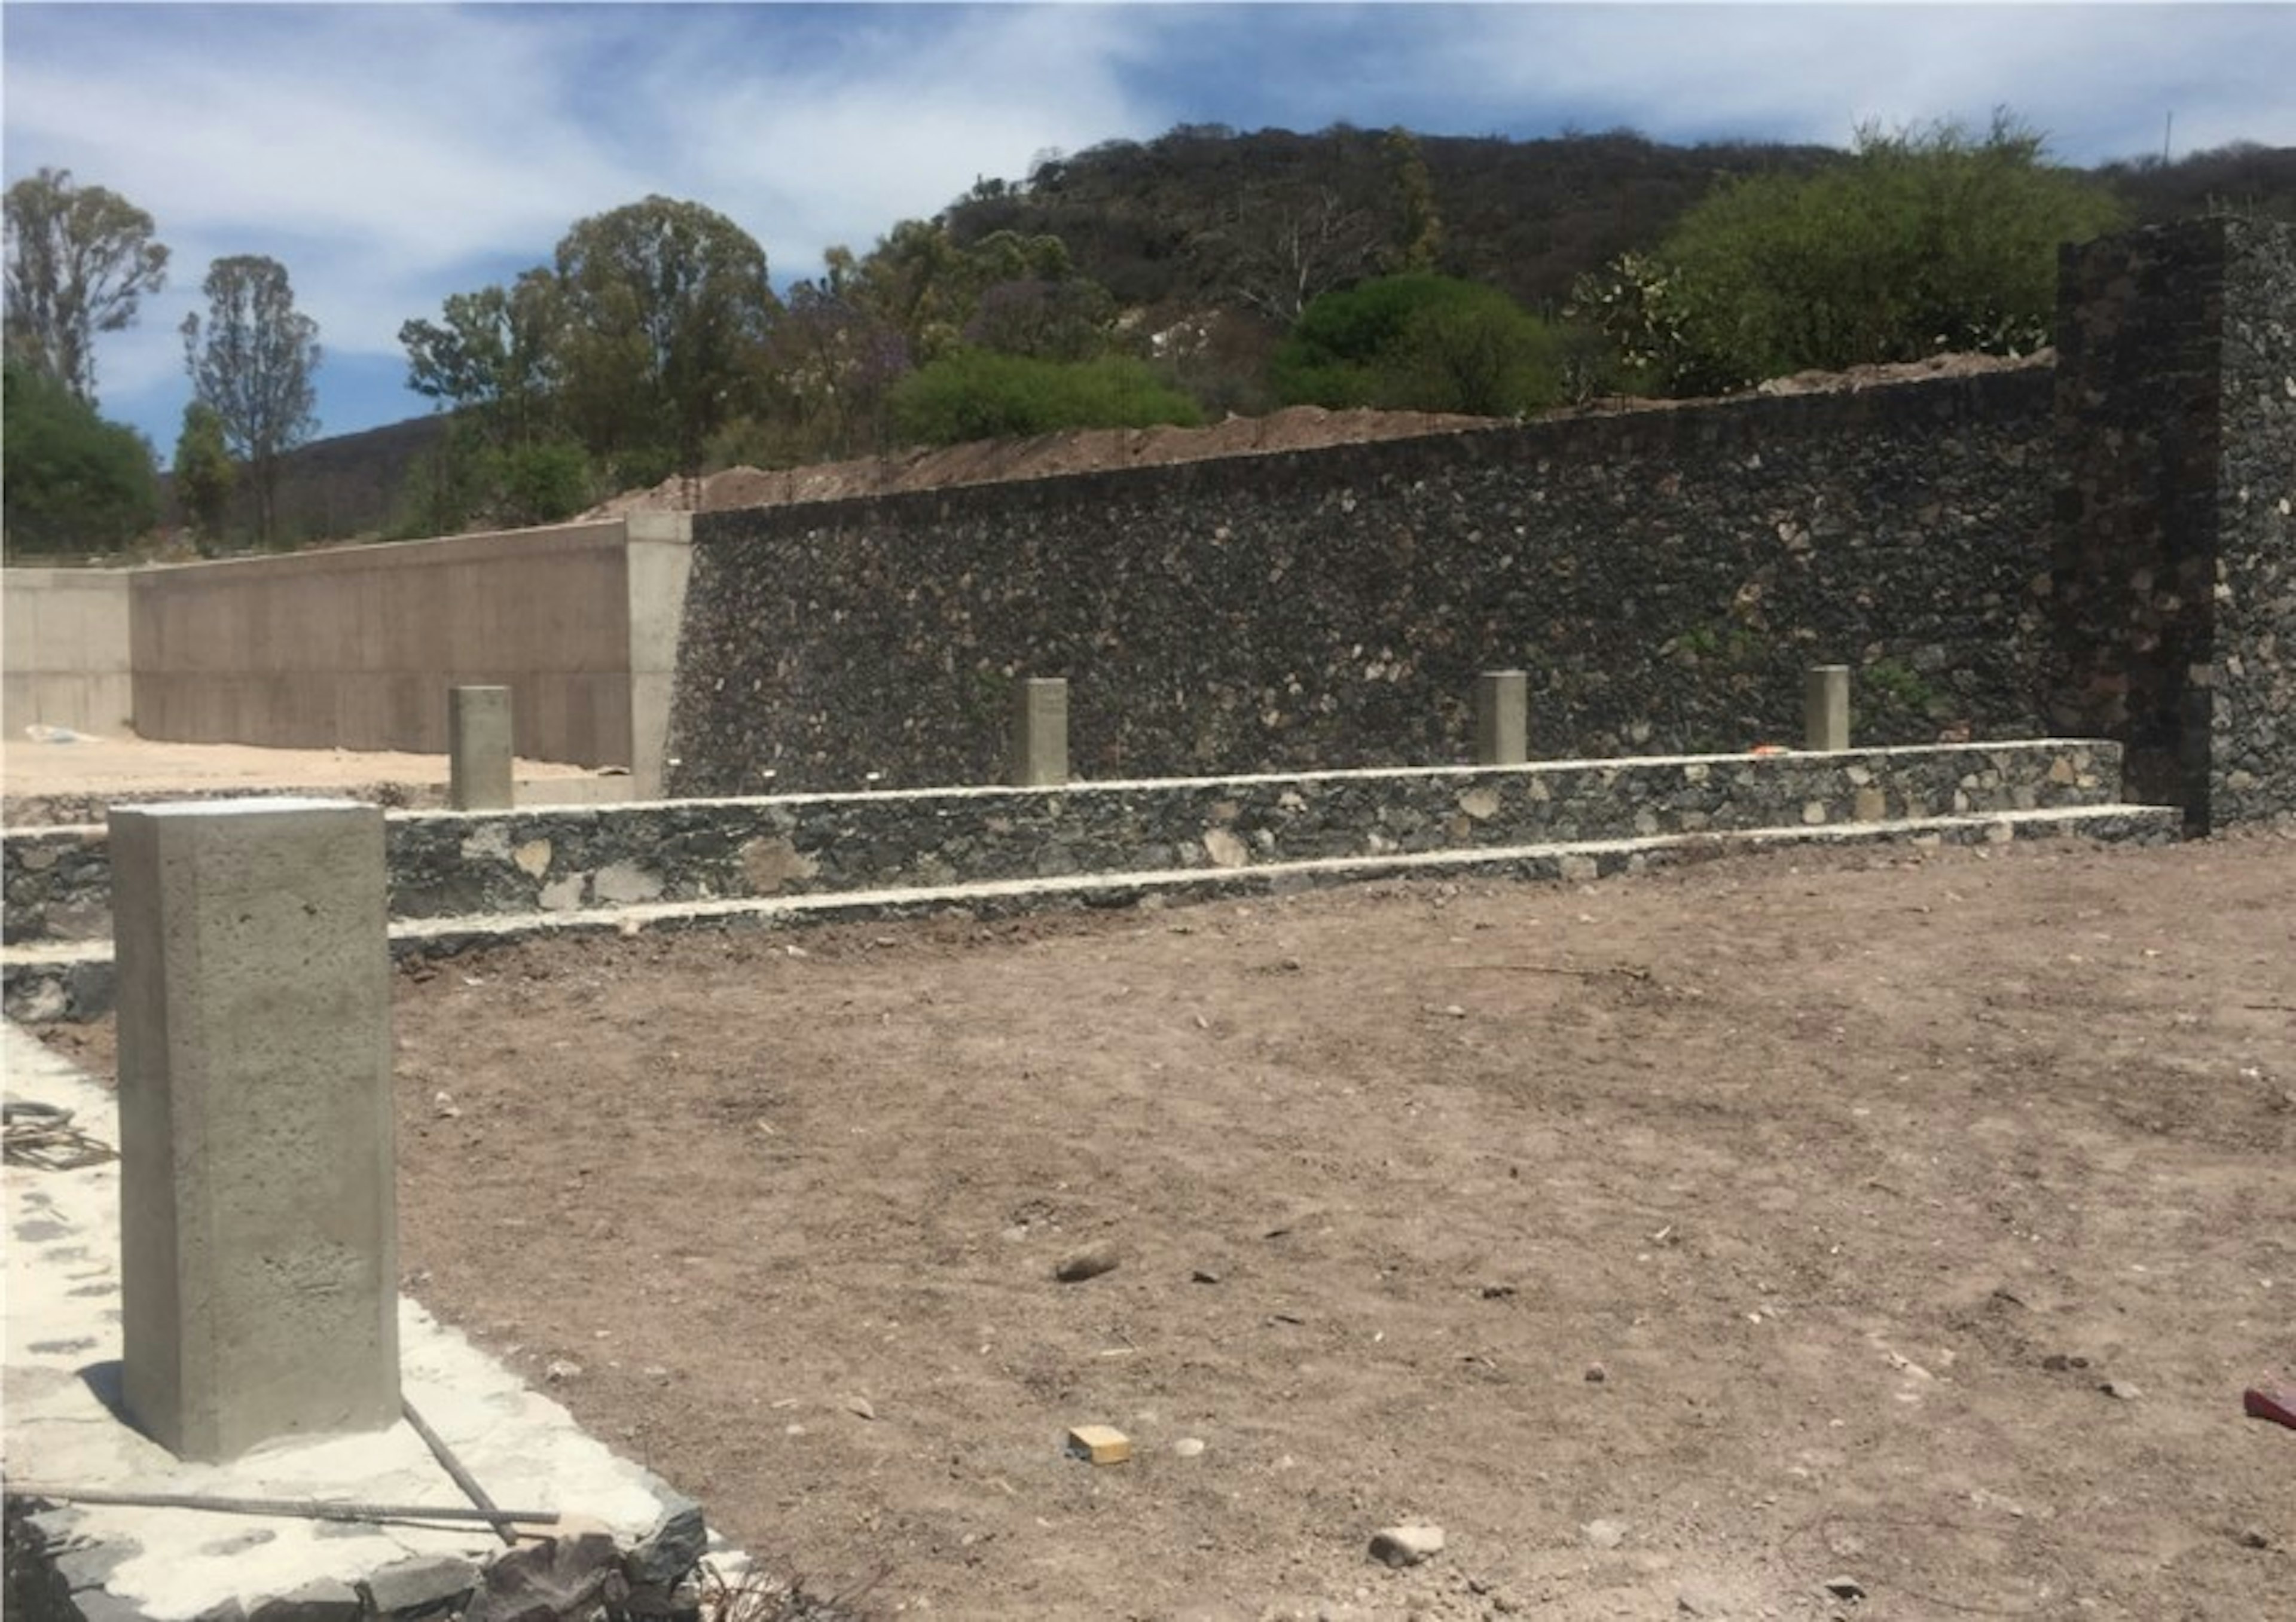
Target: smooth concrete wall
[[357, 647], [659, 557], [67, 648]]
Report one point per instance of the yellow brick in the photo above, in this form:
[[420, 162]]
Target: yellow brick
[[1102, 1444]]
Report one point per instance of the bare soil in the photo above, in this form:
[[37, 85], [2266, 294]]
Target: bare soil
[[71, 782], [1101, 449], [1678, 1244], [1039, 456]]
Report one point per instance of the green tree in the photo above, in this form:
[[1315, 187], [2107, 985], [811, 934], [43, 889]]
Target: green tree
[[493, 356], [1927, 241], [980, 394], [1419, 225], [205, 473], [1419, 342], [923, 284], [251, 364], [666, 307], [72, 482], [494, 360], [80, 259]]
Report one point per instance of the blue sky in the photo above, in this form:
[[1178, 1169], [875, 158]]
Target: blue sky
[[389, 155]]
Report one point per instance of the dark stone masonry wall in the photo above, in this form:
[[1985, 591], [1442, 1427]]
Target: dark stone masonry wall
[[1663, 575], [2252, 712], [445, 865], [2103, 549], [2175, 578]]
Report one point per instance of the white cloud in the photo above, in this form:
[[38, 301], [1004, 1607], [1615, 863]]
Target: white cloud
[[2098, 79], [391, 155]]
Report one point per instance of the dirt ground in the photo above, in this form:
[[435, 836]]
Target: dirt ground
[[1678, 1244], [71, 780]]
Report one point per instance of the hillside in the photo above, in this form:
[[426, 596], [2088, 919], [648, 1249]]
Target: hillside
[[1165, 220], [1207, 217]]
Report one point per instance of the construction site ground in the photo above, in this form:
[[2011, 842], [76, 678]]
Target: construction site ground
[[1886, 1234]]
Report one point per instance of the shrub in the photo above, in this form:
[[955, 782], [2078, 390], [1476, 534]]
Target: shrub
[[74, 483], [1420, 343], [978, 394], [1925, 241]]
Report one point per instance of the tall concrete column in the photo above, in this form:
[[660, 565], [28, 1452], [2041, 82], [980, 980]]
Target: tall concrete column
[[1826, 707], [479, 750], [1501, 718], [1040, 732], [258, 1220]]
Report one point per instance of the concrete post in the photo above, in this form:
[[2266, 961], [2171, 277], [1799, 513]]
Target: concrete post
[[1826, 707], [1501, 718], [259, 1219], [1040, 732], [479, 748]]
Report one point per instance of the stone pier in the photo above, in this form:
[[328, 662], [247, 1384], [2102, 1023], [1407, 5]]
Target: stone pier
[[1501, 718], [1826, 708], [479, 748], [259, 1219], [1040, 733]]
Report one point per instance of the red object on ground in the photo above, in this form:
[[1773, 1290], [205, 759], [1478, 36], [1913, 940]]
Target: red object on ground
[[2275, 1399]]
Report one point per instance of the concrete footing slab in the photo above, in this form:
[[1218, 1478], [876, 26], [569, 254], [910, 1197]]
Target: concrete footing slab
[[109, 1563]]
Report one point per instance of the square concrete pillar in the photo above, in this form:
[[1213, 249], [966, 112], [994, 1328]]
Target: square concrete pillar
[[1501, 718], [259, 1219], [1826, 707], [479, 748], [1040, 732]]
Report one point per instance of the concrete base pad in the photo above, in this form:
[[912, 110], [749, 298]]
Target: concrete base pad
[[61, 1431]]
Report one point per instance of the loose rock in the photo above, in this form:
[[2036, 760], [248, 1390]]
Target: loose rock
[[1102, 1444], [1603, 1534], [1089, 1262], [1401, 1546], [672, 1549]]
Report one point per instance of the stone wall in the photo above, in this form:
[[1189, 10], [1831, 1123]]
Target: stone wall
[[2175, 580], [445, 864], [2103, 550], [2252, 707], [1663, 575]]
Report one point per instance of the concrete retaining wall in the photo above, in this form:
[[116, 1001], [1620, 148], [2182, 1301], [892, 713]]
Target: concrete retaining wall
[[356, 647], [69, 661], [468, 865]]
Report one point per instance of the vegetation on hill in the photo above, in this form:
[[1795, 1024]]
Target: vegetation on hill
[[73, 482], [1203, 272], [1922, 244]]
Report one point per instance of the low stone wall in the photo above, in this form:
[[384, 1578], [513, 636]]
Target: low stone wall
[[460, 864]]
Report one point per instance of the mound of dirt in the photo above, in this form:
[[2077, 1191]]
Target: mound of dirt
[[1099, 449], [1042, 456]]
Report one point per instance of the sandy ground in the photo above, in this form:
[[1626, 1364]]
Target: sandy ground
[[1678, 1244], [70, 781]]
